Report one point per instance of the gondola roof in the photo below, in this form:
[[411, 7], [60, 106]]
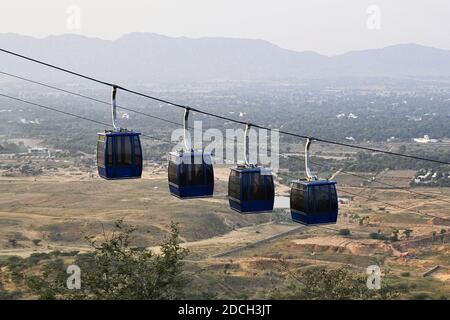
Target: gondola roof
[[241, 168], [118, 133], [314, 182]]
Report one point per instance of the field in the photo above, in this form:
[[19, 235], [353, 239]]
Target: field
[[233, 255]]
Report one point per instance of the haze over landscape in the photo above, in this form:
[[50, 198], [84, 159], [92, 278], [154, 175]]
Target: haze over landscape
[[329, 27], [147, 57]]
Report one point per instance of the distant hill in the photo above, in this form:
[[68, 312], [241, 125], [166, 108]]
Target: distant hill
[[148, 57]]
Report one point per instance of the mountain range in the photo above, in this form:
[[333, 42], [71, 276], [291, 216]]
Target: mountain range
[[149, 57]]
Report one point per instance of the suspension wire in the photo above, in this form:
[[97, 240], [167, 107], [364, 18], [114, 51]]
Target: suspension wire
[[373, 179], [190, 127], [393, 205], [219, 116], [84, 118], [379, 201], [175, 123], [85, 97], [55, 67], [163, 140], [55, 110], [95, 100], [220, 196], [69, 114]]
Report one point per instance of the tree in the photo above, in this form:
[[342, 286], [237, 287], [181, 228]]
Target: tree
[[13, 242], [116, 271], [407, 233], [402, 149], [364, 220], [333, 284], [443, 231], [394, 236]]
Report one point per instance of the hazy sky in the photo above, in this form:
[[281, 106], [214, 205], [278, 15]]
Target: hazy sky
[[325, 26]]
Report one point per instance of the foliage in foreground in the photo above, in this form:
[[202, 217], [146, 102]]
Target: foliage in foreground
[[115, 270], [333, 284]]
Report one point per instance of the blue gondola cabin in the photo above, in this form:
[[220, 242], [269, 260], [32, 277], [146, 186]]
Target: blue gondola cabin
[[251, 189], [119, 155], [191, 174], [314, 202]]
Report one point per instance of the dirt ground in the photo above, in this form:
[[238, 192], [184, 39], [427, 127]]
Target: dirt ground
[[57, 212]]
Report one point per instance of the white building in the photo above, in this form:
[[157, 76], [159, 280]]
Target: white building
[[425, 139], [344, 200], [39, 152]]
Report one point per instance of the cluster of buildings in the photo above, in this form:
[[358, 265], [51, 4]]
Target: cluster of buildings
[[349, 116], [432, 177], [39, 152]]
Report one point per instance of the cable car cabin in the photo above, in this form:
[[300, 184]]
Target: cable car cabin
[[119, 155], [251, 189], [191, 174], [314, 202]]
